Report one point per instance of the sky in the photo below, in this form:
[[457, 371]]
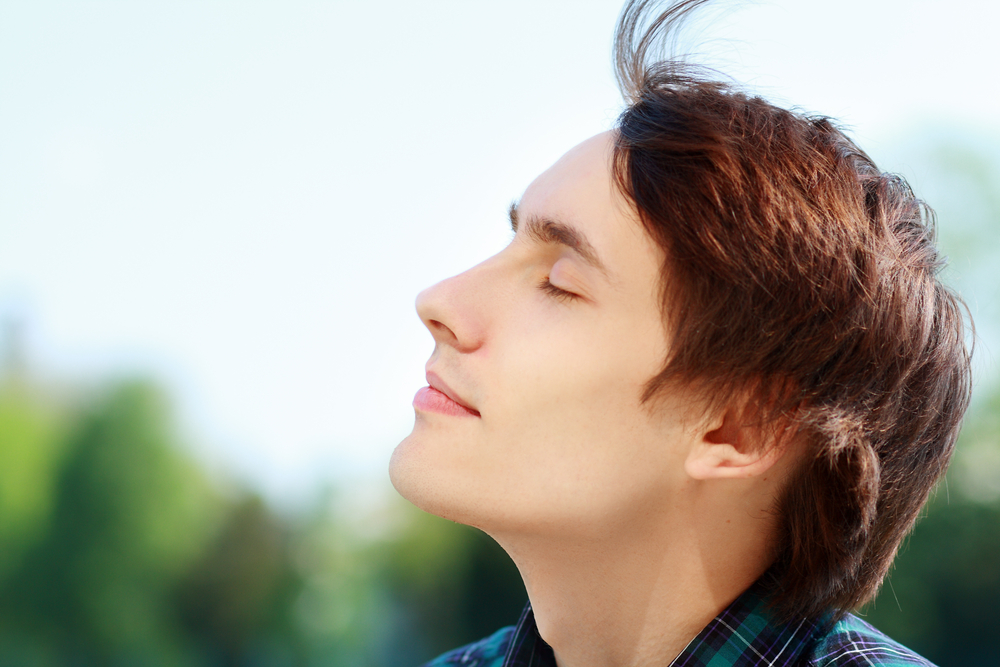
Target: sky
[[242, 199]]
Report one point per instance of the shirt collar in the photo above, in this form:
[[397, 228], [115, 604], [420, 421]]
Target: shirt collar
[[744, 634], [527, 648]]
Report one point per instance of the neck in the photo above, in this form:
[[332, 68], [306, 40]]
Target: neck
[[639, 594]]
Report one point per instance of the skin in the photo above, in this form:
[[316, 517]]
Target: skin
[[632, 524]]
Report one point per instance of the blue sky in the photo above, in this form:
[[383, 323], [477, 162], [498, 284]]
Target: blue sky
[[243, 198]]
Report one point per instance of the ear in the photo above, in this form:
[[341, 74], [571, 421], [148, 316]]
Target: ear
[[729, 448]]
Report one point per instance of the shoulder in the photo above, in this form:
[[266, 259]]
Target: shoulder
[[853, 643], [487, 652]]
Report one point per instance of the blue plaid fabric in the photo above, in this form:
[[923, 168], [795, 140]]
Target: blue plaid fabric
[[743, 635]]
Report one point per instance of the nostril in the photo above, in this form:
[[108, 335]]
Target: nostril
[[440, 329]]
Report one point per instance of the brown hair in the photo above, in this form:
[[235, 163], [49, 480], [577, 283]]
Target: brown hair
[[796, 269]]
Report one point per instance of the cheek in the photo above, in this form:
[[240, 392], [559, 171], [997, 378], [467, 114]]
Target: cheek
[[575, 375]]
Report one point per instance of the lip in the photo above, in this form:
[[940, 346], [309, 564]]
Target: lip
[[439, 397]]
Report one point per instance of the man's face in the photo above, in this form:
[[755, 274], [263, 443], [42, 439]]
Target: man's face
[[549, 344]]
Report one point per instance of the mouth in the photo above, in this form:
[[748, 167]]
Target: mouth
[[438, 397]]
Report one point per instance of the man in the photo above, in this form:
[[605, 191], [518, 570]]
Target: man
[[702, 395]]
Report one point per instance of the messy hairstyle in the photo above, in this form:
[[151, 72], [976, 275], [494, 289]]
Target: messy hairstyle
[[797, 271]]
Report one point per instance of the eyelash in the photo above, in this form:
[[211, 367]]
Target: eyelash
[[556, 292]]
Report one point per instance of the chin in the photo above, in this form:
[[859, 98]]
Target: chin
[[401, 470], [422, 483]]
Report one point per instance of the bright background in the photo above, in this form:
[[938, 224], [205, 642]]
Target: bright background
[[243, 198], [214, 219]]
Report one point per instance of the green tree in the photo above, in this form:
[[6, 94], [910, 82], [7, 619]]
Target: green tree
[[30, 455], [130, 515], [237, 599]]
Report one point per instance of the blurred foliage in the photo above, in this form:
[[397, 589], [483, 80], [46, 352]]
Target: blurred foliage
[[30, 451], [128, 514], [117, 548], [942, 597]]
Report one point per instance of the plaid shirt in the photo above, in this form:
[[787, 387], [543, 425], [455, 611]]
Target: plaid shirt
[[743, 635]]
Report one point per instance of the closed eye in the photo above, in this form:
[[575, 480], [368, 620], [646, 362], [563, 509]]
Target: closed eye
[[557, 292]]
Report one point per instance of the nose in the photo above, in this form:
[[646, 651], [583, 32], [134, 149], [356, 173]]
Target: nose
[[454, 311]]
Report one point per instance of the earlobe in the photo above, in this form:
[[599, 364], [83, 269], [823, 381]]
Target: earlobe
[[730, 449]]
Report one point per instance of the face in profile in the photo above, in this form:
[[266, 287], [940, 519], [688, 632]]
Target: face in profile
[[533, 419]]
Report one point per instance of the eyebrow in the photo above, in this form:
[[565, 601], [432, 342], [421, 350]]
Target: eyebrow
[[547, 230]]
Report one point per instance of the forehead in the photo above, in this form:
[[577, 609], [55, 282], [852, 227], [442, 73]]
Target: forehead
[[579, 181], [579, 190]]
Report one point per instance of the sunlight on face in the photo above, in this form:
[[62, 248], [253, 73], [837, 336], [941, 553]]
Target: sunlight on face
[[533, 419]]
